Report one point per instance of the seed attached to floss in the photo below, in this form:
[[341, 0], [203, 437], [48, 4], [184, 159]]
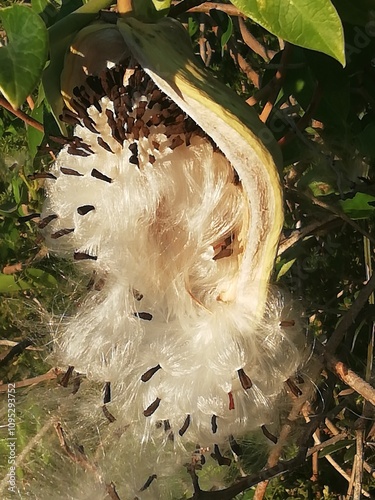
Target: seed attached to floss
[[152, 408], [147, 375], [184, 428]]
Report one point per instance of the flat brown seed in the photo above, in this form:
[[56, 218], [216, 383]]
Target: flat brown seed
[[287, 323], [104, 144], [221, 460], [296, 391], [46, 220], [184, 428], [152, 408], [143, 315], [108, 414], [148, 482], [268, 434], [65, 379], [133, 148], [85, 209], [107, 393], [72, 150], [61, 232], [244, 379], [147, 375], [134, 160], [84, 256], [214, 424], [99, 175], [70, 171]]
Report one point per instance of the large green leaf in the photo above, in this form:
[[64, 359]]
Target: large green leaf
[[22, 60], [313, 25]]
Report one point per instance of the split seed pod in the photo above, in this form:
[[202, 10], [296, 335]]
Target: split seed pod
[[169, 194]]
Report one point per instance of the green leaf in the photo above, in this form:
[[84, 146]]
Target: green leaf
[[335, 447], [9, 284], [34, 136], [362, 206], [22, 60], [227, 34], [284, 267], [39, 277], [313, 25], [47, 9]]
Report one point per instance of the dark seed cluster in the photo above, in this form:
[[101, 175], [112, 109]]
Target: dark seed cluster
[[139, 108]]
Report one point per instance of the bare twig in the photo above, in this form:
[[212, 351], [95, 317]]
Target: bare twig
[[358, 465], [253, 43], [244, 66], [338, 212], [279, 77], [50, 375], [329, 442], [302, 233], [333, 462], [350, 377], [11, 343], [20, 114]]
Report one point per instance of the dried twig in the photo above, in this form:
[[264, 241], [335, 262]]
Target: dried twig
[[20, 114], [358, 468], [243, 64], [350, 377], [253, 43], [50, 375], [279, 79], [302, 233], [11, 343], [320, 203]]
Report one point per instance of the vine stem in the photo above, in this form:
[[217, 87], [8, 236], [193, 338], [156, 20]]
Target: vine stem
[[20, 114], [279, 79]]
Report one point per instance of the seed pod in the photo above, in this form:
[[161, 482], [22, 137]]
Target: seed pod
[[178, 196]]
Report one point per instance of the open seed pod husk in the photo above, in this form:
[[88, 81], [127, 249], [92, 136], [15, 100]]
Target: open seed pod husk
[[168, 196]]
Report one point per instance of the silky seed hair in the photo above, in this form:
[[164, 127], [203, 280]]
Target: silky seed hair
[[143, 199]]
